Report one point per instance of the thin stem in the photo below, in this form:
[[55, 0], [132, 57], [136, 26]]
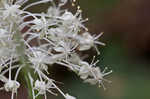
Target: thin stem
[[25, 62]]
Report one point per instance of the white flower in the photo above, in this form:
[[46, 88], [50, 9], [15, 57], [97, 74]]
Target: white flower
[[97, 76], [67, 16], [85, 69], [73, 22], [58, 33], [87, 41], [11, 10], [53, 12], [40, 86], [38, 58], [55, 33], [91, 74], [64, 47], [74, 58], [70, 97], [39, 23], [12, 85]]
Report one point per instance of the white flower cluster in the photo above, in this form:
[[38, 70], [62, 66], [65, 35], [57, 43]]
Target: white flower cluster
[[54, 37]]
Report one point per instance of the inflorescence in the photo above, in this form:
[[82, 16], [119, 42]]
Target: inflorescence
[[54, 37]]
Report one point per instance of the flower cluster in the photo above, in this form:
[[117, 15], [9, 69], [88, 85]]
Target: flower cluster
[[54, 37]]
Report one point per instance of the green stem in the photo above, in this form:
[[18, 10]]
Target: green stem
[[24, 61]]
